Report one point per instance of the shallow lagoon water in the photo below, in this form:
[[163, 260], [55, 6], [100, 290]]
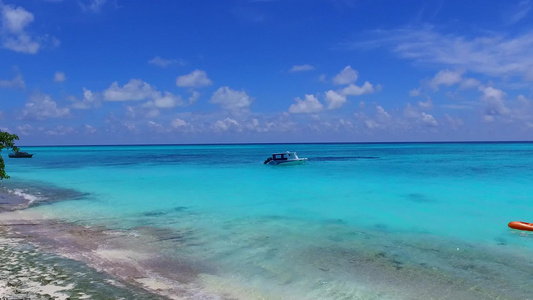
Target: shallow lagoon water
[[369, 221]]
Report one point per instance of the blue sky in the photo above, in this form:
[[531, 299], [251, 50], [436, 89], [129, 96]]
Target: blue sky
[[129, 72]]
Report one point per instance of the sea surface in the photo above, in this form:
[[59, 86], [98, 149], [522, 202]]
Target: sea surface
[[358, 221]]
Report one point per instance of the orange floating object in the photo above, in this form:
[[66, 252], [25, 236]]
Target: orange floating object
[[521, 225]]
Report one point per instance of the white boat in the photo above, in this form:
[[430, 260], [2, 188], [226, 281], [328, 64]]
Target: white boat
[[287, 158]]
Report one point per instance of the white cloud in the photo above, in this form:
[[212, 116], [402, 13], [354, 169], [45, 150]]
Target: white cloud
[[194, 97], [346, 76], [17, 82], [156, 126], [195, 79], [176, 123], [518, 12], [181, 125], [428, 120], [89, 100], [60, 130], [454, 122], [13, 33], [24, 129], [89, 129], [231, 100], [169, 100], [134, 90], [468, 83], [489, 54], [494, 101], [226, 125], [422, 118], [307, 106], [301, 68], [446, 77], [381, 120], [41, 107], [381, 114], [354, 90], [59, 76], [414, 93], [15, 19], [161, 62], [91, 5], [334, 100], [426, 105]]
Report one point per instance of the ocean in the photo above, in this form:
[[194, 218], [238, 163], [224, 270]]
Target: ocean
[[358, 221]]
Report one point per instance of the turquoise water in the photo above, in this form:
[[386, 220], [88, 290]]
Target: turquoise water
[[369, 221]]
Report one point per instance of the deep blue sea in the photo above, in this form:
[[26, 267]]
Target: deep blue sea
[[358, 221]]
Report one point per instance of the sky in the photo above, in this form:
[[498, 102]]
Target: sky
[[97, 72]]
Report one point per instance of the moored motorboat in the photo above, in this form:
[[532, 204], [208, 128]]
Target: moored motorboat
[[521, 225], [287, 158], [20, 154]]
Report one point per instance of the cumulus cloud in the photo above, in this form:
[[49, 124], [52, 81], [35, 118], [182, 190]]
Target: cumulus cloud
[[168, 100], [226, 125], [137, 90], [307, 106], [89, 129], [89, 100], [179, 123], [426, 104], [421, 118], [13, 33], [346, 76], [17, 83], [494, 102], [446, 77], [301, 68], [41, 106], [59, 76], [334, 100], [195, 79], [454, 122], [134, 90], [161, 62], [354, 90], [231, 100], [381, 120], [194, 97], [428, 119]]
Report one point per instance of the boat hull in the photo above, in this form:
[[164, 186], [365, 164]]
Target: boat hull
[[288, 162], [20, 156]]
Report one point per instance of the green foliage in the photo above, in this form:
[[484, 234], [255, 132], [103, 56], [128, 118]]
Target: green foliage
[[7, 140]]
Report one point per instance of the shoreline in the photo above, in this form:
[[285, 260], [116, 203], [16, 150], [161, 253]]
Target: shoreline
[[104, 256], [30, 271]]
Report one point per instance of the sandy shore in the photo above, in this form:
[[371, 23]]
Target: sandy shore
[[30, 270], [42, 258]]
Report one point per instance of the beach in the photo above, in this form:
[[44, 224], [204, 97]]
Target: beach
[[174, 228]]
